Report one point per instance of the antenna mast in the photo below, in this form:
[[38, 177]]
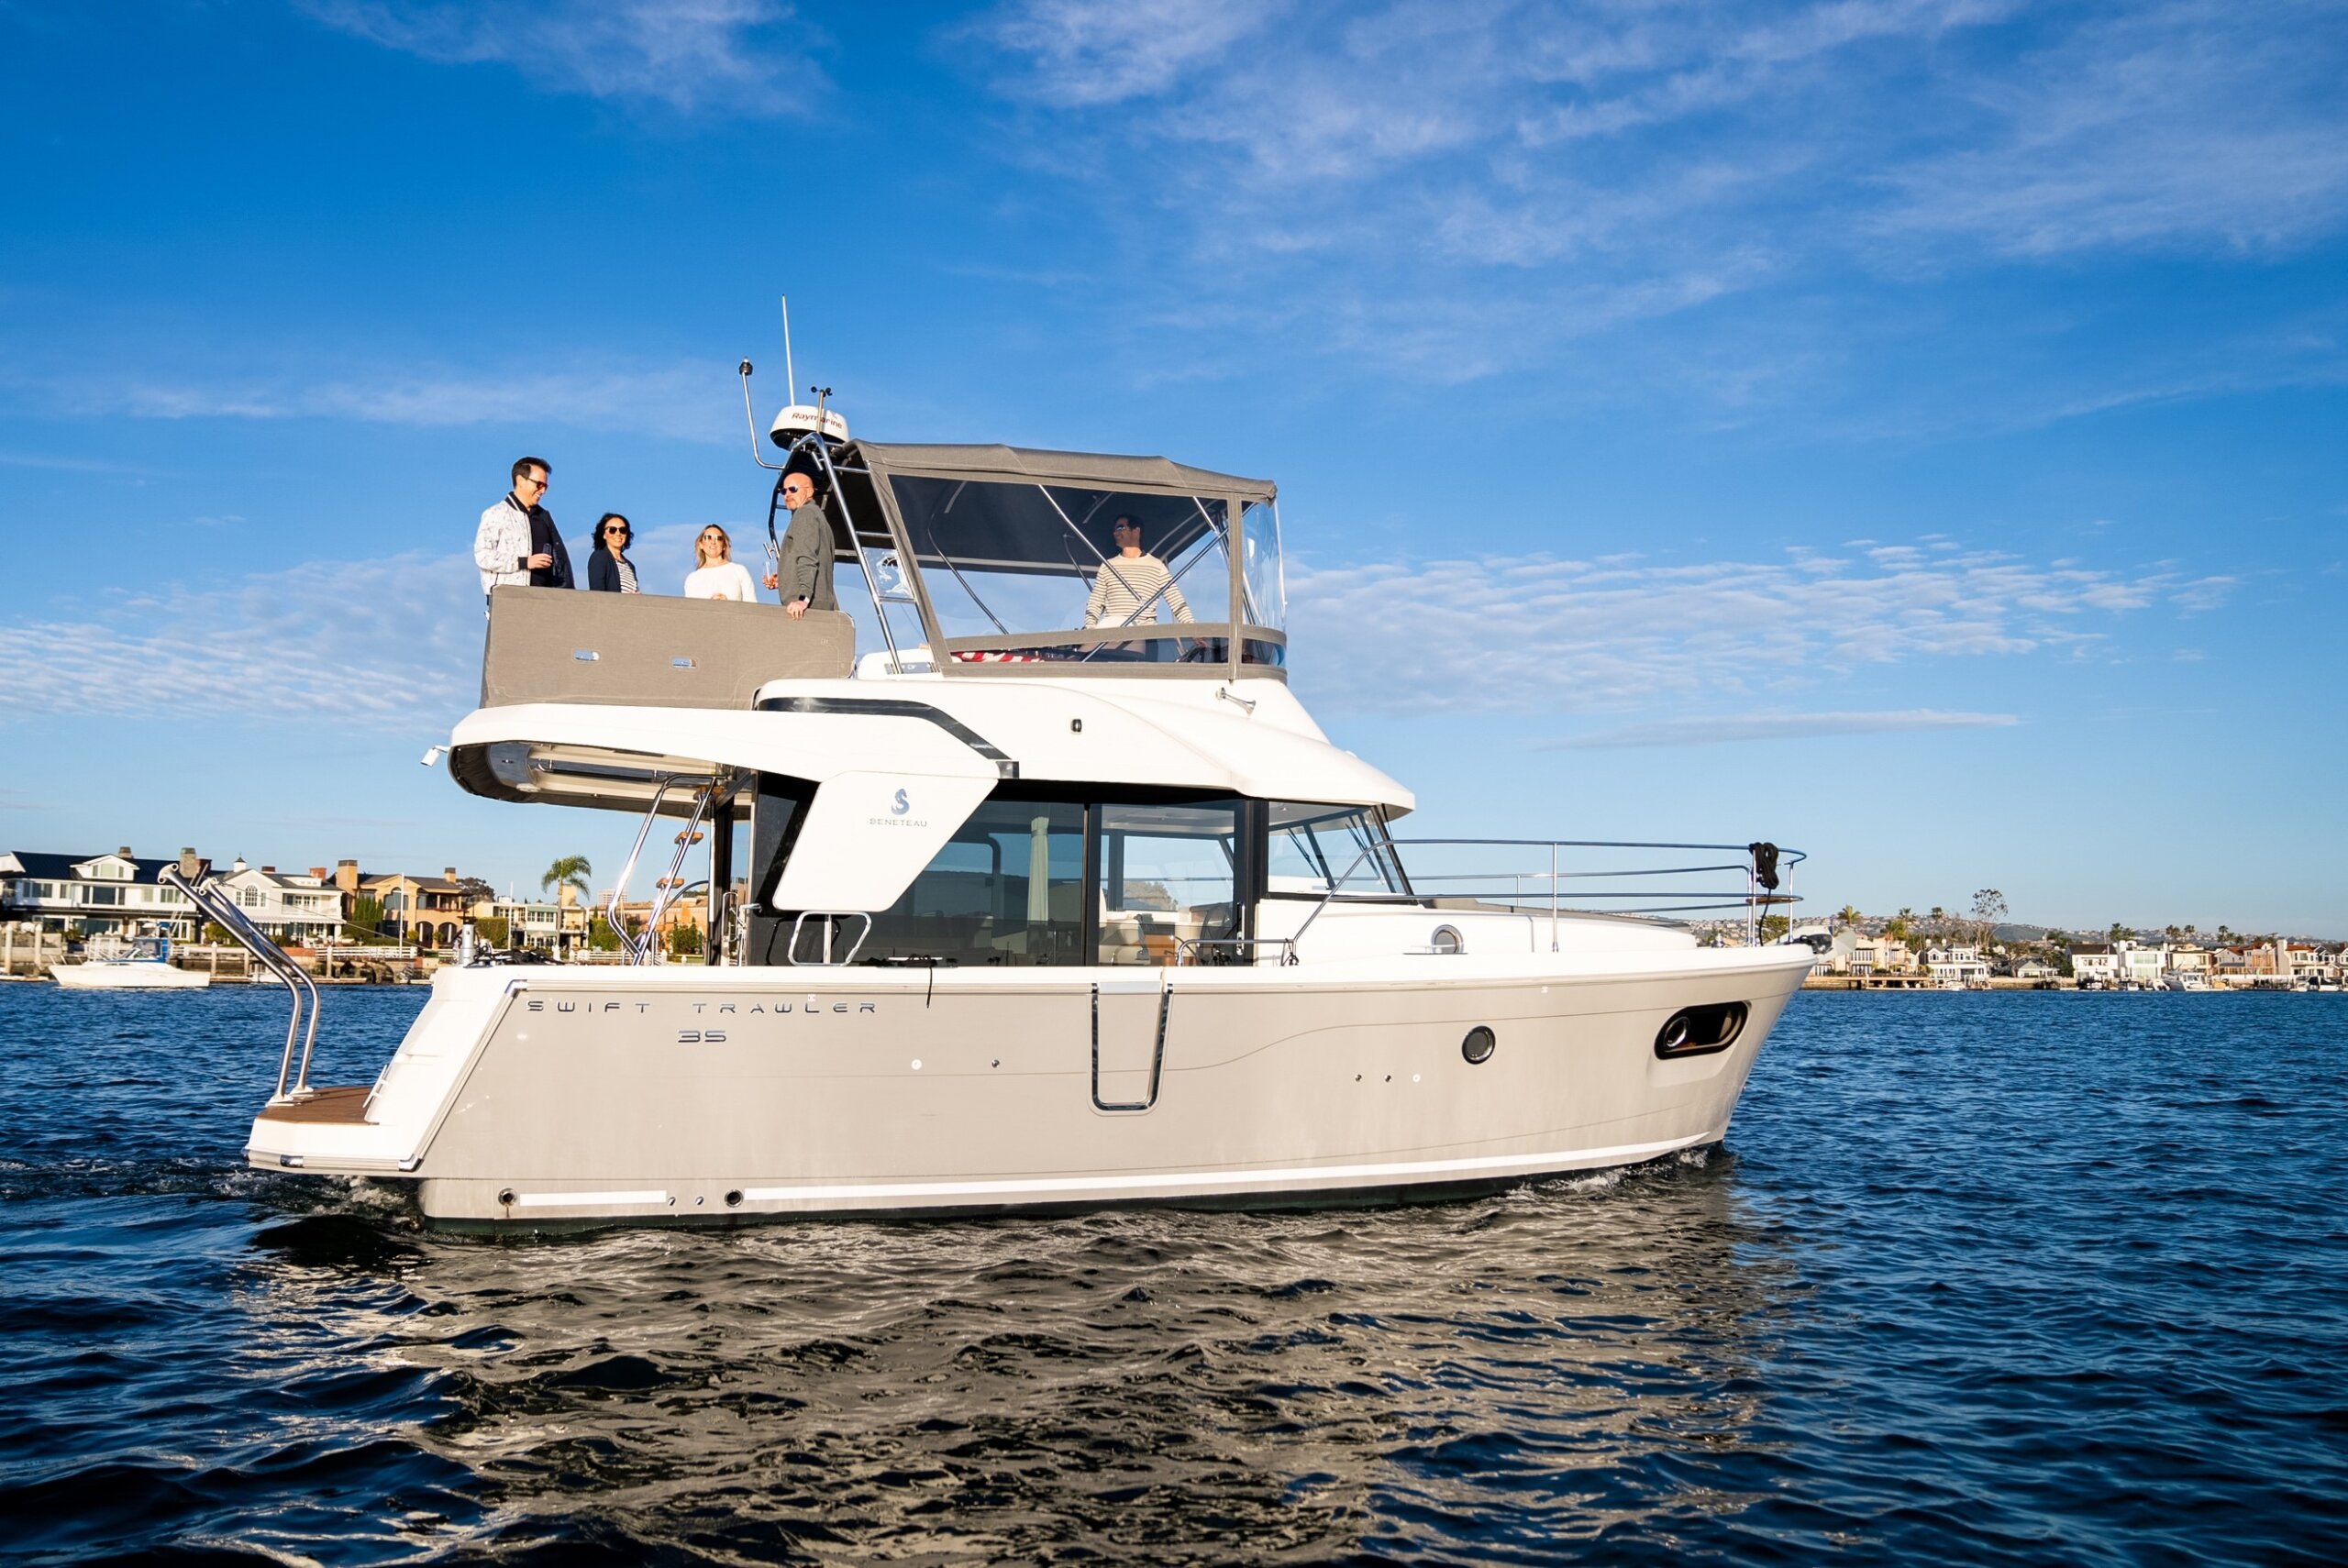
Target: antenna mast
[[789, 372]]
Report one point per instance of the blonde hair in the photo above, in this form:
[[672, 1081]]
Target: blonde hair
[[725, 545]]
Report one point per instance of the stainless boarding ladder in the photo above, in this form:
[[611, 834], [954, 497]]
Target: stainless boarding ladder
[[303, 1026], [645, 949]]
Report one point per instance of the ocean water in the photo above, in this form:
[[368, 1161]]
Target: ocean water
[[2026, 1278]]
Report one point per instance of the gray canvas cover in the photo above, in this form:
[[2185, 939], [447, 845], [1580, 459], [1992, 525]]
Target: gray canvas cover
[[555, 644], [1099, 470]]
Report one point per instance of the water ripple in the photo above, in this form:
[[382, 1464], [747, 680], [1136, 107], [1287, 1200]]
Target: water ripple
[[1998, 1279]]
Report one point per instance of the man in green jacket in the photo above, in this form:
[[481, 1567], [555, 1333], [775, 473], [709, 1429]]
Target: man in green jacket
[[804, 578]]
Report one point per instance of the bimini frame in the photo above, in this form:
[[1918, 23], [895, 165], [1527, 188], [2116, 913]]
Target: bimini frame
[[878, 464]]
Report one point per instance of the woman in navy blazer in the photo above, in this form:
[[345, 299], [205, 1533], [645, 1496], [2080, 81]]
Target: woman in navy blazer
[[608, 570]]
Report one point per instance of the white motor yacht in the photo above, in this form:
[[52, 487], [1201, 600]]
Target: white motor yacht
[[1030, 905], [127, 964]]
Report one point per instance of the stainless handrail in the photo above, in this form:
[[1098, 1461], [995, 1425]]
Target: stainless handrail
[[670, 888], [297, 981], [612, 916], [1751, 898]]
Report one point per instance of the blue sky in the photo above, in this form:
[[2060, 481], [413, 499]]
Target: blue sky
[[1911, 431]]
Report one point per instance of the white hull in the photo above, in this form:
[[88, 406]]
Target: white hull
[[719, 1094], [137, 976]]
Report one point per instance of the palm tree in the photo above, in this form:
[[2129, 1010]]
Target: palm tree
[[1849, 915], [570, 871]]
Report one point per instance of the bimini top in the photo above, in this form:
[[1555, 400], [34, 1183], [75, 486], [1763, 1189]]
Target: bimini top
[[1002, 559], [1101, 469]]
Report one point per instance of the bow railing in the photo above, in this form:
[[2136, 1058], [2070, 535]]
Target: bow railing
[[1558, 878]]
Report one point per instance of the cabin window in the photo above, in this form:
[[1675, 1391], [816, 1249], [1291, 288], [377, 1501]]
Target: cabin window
[[1315, 848], [1007, 889], [1168, 882]]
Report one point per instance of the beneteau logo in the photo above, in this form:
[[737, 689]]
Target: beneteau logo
[[900, 804]]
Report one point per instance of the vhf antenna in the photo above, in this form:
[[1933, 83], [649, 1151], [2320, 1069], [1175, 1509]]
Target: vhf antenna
[[789, 372]]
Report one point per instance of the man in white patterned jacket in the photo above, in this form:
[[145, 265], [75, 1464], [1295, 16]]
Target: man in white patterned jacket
[[516, 541]]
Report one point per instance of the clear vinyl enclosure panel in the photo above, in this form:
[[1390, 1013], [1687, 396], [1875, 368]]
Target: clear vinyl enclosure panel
[[1009, 565], [1263, 576]]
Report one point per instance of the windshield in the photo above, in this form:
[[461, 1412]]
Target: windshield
[[1315, 848]]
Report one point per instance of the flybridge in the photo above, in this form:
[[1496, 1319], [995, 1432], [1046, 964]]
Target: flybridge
[[990, 559], [981, 562]]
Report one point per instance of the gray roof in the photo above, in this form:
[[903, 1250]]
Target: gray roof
[[46, 865], [1096, 469]]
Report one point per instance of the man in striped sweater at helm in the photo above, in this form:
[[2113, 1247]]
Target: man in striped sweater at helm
[[1130, 579]]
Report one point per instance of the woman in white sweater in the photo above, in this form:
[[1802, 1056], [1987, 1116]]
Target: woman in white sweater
[[718, 575]]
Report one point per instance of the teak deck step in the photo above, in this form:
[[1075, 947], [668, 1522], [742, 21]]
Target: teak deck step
[[347, 1104]]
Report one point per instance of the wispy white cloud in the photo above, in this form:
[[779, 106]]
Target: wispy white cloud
[[387, 643], [1087, 53], [65, 465], [681, 402], [377, 642], [1460, 189], [396, 642], [2192, 123], [692, 55], [1726, 729], [1564, 636]]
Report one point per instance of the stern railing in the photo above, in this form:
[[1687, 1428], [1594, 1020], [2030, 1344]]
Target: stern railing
[[223, 911]]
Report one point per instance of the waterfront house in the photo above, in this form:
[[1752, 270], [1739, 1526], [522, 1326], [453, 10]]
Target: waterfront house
[[1957, 965], [95, 895], [295, 907], [2142, 963], [1856, 952], [2095, 961], [2190, 959], [2036, 969], [549, 926], [427, 910]]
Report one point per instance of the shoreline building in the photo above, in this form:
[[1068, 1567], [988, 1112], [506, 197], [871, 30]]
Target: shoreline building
[[1957, 966], [290, 907], [97, 895], [553, 926], [1858, 953], [427, 910]]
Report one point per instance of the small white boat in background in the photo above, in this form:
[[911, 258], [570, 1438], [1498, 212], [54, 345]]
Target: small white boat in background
[[137, 964]]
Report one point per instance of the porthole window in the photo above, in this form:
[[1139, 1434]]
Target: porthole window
[[1479, 1046], [1700, 1031], [1446, 939]]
